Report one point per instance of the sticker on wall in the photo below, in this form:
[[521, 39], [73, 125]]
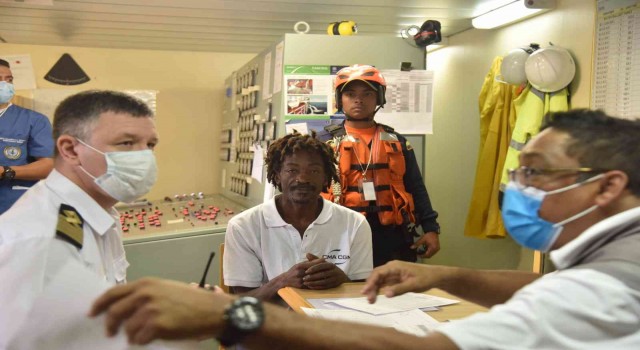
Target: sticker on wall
[[66, 72]]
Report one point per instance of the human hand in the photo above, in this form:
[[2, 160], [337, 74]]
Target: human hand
[[432, 242], [294, 277], [399, 277], [161, 309], [323, 275]]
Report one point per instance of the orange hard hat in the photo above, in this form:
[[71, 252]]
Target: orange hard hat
[[365, 73]]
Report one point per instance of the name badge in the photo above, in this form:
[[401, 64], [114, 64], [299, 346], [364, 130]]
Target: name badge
[[368, 190]]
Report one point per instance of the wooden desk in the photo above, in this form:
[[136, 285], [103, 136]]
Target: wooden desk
[[297, 298]]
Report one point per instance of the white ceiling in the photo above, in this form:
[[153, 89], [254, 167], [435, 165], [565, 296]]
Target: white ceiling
[[210, 25]]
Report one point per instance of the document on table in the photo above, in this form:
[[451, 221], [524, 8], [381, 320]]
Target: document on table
[[404, 302], [413, 321]]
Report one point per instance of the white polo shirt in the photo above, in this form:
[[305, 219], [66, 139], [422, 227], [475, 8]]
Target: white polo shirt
[[260, 245], [27, 231], [576, 308]]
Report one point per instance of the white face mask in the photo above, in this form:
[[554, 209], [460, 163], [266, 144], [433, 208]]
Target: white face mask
[[129, 175]]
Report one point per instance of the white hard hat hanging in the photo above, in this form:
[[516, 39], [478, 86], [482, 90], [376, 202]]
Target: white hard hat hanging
[[512, 67], [550, 69]]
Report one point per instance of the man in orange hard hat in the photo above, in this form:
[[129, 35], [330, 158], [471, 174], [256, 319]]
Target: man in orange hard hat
[[379, 175]]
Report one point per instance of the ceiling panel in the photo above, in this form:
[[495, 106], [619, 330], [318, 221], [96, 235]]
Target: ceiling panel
[[217, 26]]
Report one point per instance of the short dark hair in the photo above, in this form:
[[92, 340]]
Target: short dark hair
[[601, 141], [4, 63], [288, 144], [77, 114]]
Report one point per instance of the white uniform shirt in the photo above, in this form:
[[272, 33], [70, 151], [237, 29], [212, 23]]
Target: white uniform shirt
[[260, 245], [26, 234], [567, 309]]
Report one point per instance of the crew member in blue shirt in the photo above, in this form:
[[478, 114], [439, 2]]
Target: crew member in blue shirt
[[26, 144]]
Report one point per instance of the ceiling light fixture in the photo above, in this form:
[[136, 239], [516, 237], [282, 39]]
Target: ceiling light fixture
[[512, 12]]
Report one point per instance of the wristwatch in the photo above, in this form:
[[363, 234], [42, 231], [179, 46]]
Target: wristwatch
[[242, 317], [8, 173]]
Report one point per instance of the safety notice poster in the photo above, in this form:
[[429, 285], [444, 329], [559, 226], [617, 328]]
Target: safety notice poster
[[308, 92]]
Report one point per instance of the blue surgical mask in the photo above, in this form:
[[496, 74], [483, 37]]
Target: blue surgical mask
[[520, 213], [6, 91]]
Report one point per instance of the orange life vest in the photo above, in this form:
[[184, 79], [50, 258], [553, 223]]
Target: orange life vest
[[393, 203]]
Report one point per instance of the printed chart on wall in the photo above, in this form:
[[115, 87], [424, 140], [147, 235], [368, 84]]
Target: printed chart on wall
[[409, 107], [616, 76]]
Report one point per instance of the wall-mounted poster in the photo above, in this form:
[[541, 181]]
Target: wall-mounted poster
[[409, 106], [308, 92], [616, 68]]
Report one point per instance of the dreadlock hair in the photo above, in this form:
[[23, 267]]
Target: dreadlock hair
[[600, 141], [287, 145]]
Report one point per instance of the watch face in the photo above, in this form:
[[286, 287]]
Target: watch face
[[8, 173], [247, 315]]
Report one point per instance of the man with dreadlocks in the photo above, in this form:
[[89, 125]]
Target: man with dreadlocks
[[297, 239]]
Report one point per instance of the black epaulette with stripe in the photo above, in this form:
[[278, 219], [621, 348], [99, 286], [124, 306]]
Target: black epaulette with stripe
[[69, 227]]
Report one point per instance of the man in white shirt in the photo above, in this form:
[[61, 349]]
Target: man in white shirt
[[576, 194], [104, 143], [296, 239]]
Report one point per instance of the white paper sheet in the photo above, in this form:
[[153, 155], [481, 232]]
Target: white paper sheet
[[301, 128], [413, 322], [277, 71], [384, 305], [266, 82], [409, 106], [258, 163]]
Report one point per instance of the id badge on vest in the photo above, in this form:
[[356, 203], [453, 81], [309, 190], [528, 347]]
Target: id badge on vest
[[367, 189]]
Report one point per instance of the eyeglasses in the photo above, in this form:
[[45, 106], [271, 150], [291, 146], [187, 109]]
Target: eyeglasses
[[525, 176]]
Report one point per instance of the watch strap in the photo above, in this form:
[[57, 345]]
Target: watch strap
[[231, 336]]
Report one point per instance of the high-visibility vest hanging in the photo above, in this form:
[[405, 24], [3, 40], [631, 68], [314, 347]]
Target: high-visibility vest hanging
[[531, 107]]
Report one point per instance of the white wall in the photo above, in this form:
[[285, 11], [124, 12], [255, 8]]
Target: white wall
[[452, 150]]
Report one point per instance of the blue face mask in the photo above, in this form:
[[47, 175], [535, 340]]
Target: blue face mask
[[520, 215], [6, 92]]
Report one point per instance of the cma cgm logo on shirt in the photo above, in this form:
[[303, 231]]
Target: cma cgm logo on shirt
[[337, 258]]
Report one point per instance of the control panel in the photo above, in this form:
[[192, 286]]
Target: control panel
[[186, 213]]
